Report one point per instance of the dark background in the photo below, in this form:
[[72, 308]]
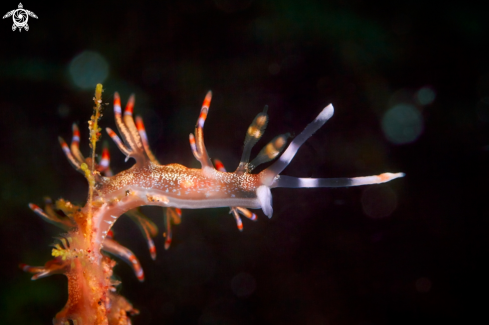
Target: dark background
[[409, 252]]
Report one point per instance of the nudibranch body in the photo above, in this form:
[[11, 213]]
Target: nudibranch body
[[173, 187]]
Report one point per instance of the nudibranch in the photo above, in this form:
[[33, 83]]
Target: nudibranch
[[79, 252]]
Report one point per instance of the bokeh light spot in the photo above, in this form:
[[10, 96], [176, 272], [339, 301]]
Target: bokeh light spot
[[243, 284], [425, 95], [88, 68], [378, 201], [402, 124]]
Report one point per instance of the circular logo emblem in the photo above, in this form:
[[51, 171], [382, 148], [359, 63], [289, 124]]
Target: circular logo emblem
[[20, 17]]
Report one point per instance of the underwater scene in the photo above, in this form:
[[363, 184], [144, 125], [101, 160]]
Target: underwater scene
[[331, 186]]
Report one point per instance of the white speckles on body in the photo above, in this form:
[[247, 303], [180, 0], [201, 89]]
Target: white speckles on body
[[171, 186], [179, 181]]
